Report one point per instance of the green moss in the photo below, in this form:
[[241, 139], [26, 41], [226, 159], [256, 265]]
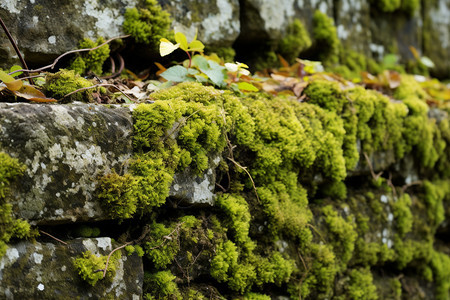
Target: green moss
[[435, 194], [360, 286], [238, 215], [161, 285], [440, 264], [409, 87], [10, 170], [91, 61], [295, 41], [117, 194], [87, 231], [225, 268], [343, 235], [388, 5], [255, 296], [402, 214], [325, 37], [88, 264], [161, 246], [67, 81], [225, 53], [147, 25]]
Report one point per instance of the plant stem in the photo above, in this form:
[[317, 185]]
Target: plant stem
[[24, 64], [190, 59]]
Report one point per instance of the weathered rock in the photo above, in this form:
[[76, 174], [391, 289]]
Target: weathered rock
[[46, 271], [65, 148], [217, 21], [190, 188], [353, 25], [46, 29], [436, 36]]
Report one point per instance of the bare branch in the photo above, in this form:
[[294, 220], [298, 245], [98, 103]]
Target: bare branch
[[48, 234], [24, 64], [51, 66], [94, 86]]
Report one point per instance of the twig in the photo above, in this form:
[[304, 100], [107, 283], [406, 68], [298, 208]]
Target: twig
[[51, 66], [48, 234], [94, 86], [24, 64], [109, 256], [406, 186], [389, 182], [369, 163], [248, 173], [121, 67]]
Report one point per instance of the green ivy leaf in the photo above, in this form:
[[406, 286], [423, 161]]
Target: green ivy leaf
[[248, 87], [15, 68], [175, 74], [200, 62]]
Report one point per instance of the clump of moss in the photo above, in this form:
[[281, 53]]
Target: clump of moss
[[225, 53], [236, 208], [402, 214], [88, 264], [10, 227], [147, 25], [117, 195], [295, 41], [325, 38], [388, 5], [440, 264], [343, 234], [87, 231], [93, 60], [161, 285], [361, 285], [67, 81]]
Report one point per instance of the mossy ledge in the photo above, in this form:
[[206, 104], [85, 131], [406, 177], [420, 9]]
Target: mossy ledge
[[300, 209]]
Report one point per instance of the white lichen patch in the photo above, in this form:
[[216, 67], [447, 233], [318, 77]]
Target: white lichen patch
[[109, 20], [104, 243], [52, 39], [203, 191], [38, 258], [11, 6]]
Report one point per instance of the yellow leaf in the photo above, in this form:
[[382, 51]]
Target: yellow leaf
[[166, 47], [5, 77], [196, 46], [181, 39], [31, 93], [14, 85]]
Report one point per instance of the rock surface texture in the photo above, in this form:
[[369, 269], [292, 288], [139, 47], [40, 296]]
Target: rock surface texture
[[45, 271], [46, 29], [65, 148]]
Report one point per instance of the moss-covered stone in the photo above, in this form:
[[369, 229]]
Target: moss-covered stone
[[64, 82], [148, 24]]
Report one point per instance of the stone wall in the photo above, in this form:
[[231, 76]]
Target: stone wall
[[46, 29], [299, 204]]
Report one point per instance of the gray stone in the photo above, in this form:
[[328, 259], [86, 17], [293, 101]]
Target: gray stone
[[190, 188], [46, 29], [217, 21], [437, 35], [46, 271], [65, 148], [353, 24]]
